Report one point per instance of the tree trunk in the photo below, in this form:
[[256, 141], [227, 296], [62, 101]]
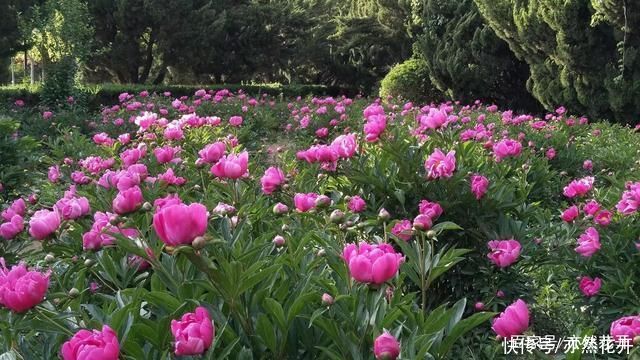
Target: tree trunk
[[161, 75], [148, 60]]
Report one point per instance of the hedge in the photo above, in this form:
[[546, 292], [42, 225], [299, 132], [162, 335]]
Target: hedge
[[101, 94]]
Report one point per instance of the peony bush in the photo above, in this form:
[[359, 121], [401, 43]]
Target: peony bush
[[228, 226]]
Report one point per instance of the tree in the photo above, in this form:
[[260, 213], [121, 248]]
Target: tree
[[581, 54], [466, 60]]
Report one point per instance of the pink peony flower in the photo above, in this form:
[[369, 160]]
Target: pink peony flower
[[579, 187], [479, 186], [272, 179], [20, 288], [375, 127], [73, 207], [305, 202], [166, 154], [128, 200], [630, 201], [589, 286], [587, 165], [92, 345], [193, 333], [627, 326], [180, 224], [506, 148], [439, 165], [54, 173], [591, 208], [386, 347], [356, 204], [44, 223], [374, 264], [514, 320], [231, 166], [10, 229], [570, 214], [235, 120], [430, 209], [402, 229], [588, 243], [504, 252], [603, 218], [435, 119], [345, 145]]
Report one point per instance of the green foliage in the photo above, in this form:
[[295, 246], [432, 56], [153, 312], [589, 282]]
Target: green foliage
[[18, 156], [60, 82], [581, 54], [410, 81], [466, 60]]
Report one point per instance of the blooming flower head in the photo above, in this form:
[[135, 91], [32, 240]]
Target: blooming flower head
[[92, 345], [193, 333], [579, 187], [231, 166], [439, 165], [588, 286], [386, 347], [21, 288], [588, 243], [514, 320], [372, 264], [504, 252]]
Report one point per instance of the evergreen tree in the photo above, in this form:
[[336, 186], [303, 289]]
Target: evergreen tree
[[581, 54], [465, 59]]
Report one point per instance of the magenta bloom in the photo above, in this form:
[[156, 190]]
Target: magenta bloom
[[386, 347], [603, 218], [439, 165], [356, 204], [589, 286], [54, 173], [431, 209], [402, 229], [44, 223], [630, 201], [514, 320], [504, 252], [166, 154], [17, 207], [128, 200], [435, 119], [588, 243], [591, 208], [375, 127], [21, 289], [272, 179], [73, 207], [305, 202], [180, 224], [373, 264], [506, 148], [570, 214], [92, 345], [10, 229], [193, 333], [231, 166], [479, 186], [211, 153], [628, 326], [345, 145], [235, 120], [579, 187]]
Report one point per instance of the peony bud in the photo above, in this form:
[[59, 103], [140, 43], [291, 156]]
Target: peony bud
[[479, 306], [336, 216], [199, 242], [73, 293], [89, 262], [431, 234], [636, 341], [321, 253], [147, 206], [384, 215], [323, 201], [49, 258], [280, 209], [327, 300], [278, 241]]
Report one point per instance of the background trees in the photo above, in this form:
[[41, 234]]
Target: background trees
[[582, 54]]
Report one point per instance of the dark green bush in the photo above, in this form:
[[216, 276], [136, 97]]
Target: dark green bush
[[410, 81]]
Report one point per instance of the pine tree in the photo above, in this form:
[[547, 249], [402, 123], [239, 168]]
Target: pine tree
[[581, 54]]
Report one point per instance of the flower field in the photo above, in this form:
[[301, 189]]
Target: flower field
[[223, 225]]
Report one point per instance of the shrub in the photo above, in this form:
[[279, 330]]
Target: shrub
[[410, 81]]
